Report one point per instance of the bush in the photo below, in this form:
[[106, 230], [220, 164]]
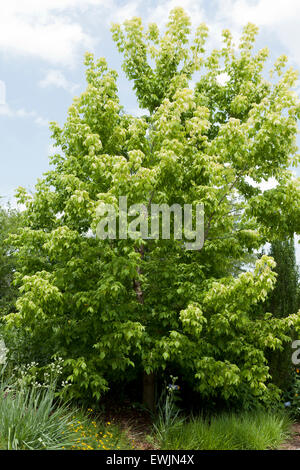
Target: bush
[[245, 431]]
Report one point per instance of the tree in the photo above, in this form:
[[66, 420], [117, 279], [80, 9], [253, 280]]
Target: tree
[[284, 298], [282, 301], [10, 220], [112, 306]]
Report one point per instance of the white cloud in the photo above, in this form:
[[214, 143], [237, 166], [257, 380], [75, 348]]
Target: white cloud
[[2, 93], [57, 78], [118, 14], [45, 29], [264, 12], [40, 121], [53, 30], [280, 18], [6, 110]]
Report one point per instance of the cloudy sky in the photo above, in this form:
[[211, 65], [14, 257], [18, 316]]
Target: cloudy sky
[[42, 43]]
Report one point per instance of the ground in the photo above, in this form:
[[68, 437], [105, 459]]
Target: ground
[[293, 443], [136, 423]]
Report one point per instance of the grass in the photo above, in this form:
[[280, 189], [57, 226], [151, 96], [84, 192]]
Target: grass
[[245, 431], [31, 418]]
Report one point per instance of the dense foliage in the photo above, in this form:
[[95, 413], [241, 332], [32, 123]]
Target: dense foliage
[[283, 300], [10, 221], [114, 309]]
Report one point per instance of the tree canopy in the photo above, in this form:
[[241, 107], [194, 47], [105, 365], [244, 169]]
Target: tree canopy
[[116, 308]]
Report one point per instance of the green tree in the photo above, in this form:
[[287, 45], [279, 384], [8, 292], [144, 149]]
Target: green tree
[[111, 307], [284, 298], [10, 220], [282, 301]]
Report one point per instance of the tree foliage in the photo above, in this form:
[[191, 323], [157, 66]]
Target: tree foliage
[[10, 220], [282, 301], [109, 307]]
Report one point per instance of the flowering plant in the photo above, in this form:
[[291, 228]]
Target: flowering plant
[[42, 377], [168, 412], [3, 352]]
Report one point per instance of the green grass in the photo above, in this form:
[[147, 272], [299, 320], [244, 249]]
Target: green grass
[[32, 419], [245, 431]]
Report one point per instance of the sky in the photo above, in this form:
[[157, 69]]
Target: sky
[[42, 45]]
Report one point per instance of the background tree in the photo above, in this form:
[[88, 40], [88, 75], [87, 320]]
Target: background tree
[[282, 301], [115, 309], [284, 298]]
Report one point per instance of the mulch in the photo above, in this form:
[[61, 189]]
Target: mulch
[[293, 443], [135, 422]]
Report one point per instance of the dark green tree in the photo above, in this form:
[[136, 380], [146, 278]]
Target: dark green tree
[[283, 301]]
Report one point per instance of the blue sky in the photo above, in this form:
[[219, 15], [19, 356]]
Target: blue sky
[[42, 43]]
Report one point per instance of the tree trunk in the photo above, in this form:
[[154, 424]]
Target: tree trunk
[[148, 379], [149, 391]]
